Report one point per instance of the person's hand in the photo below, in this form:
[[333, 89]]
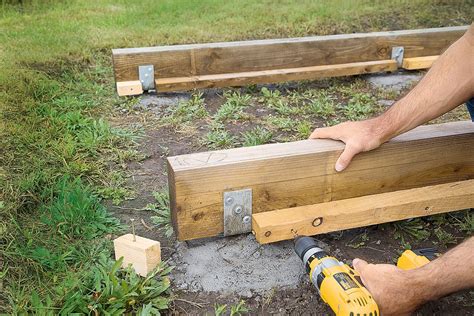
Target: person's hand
[[392, 288], [358, 137]]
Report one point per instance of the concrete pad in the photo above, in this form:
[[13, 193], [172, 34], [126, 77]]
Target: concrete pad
[[236, 265], [396, 81]]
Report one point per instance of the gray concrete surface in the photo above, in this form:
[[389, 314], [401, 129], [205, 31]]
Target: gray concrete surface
[[236, 265]]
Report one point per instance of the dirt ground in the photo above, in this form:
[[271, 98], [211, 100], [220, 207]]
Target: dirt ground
[[270, 278]]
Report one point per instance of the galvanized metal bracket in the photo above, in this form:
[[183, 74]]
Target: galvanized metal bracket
[[237, 212], [397, 54], [146, 74]]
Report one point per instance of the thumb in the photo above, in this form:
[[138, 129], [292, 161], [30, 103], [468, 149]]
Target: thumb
[[359, 264], [346, 157]]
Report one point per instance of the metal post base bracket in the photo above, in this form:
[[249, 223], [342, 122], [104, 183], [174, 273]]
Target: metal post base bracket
[[146, 74], [237, 212], [397, 54]]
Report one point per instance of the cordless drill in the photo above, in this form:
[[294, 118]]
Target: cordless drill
[[337, 284], [416, 258]]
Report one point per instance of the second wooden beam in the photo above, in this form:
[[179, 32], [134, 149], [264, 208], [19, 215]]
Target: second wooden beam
[[362, 211]]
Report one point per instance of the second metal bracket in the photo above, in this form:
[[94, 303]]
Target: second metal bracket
[[146, 75], [397, 54], [237, 212]]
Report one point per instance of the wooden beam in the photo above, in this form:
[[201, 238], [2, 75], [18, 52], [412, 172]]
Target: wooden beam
[[362, 211], [302, 173], [418, 62], [129, 88], [270, 76], [262, 55]]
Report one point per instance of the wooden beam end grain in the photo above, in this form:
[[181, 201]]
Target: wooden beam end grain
[[125, 88]]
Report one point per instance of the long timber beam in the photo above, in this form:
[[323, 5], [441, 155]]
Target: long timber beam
[[288, 175], [196, 62]]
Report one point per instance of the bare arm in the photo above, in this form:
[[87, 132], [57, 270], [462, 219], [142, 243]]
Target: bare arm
[[448, 83], [399, 292]]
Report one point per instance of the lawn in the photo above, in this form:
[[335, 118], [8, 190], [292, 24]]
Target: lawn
[[65, 145]]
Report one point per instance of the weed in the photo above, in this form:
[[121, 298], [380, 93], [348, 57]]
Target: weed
[[219, 138], [285, 124], [232, 109], [114, 188], [105, 288], [237, 99], [238, 309], [304, 129], [270, 97], [358, 241], [444, 237], [257, 136], [413, 228], [76, 212], [163, 212], [220, 309], [323, 106], [466, 222], [275, 101], [286, 109], [186, 111], [235, 310], [360, 106]]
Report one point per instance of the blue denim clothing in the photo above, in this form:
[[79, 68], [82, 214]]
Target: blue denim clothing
[[470, 108]]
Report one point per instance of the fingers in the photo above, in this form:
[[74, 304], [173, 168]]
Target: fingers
[[346, 157], [325, 132], [359, 264]]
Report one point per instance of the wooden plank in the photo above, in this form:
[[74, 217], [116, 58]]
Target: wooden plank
[[259, 55], [129, 88], [418, 62], [270, 76], [302, 173], [362, 211]]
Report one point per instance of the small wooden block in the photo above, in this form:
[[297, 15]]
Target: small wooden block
[[418, 62], [144, 254], [129, 88]]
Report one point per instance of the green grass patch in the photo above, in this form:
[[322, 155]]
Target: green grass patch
[[233, 107], [187, 111], [161, 207], [256, 136]]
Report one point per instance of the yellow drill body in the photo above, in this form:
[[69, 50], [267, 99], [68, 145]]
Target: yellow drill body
[[416, 258], [338, 285]]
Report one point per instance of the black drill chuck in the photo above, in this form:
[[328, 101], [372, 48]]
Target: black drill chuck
[[303, 244]]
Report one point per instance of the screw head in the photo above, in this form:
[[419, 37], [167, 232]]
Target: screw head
[[246, 219], [268, 233], [238, 209], [317, 221], [229, 200]]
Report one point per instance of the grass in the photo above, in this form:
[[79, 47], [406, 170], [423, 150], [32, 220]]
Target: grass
[[233, 107], [60, 155], [257, 136], [161, 208], [187, 111], [235, 310]]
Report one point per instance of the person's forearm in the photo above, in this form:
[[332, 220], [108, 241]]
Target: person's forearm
[[452, 272], [448, 83]]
